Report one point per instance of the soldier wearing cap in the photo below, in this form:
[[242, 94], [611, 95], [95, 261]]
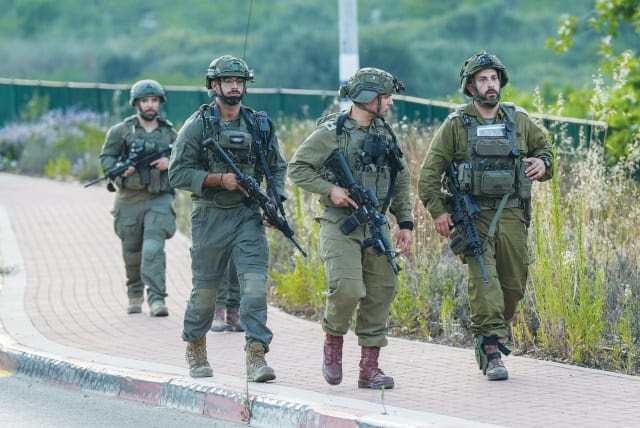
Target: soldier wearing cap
[[225, 228], [359, 280], [497, 151], [143, 213]]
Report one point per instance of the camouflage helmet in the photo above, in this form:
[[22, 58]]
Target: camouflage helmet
[[478, 62], [146, 88], [367, 83], [228, 66]]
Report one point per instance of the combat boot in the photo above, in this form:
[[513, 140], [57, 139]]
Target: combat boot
[[257, 368], [135, 305], [158, 309], [495, 367], [218, 324], [332, 364], [370, 375], [196, 356], [233, 321]]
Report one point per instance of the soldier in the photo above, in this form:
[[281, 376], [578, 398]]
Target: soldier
[[143, 212], [497, 150], [226, 316], [223, 227], [358, 279]]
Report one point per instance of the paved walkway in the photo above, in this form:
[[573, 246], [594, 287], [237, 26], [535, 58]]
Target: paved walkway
[[63, 318]]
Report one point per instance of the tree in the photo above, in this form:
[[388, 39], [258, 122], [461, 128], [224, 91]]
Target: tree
[[618, 100]]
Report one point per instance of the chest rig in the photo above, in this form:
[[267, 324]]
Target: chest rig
[[374, 159], [240, 138], [492, 170], [137, 141]]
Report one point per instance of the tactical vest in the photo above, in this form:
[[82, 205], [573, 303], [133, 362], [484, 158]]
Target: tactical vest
[[368, 157], [492, 168], [237, 138], [139, 140]]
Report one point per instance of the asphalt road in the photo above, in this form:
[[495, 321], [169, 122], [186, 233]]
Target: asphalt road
[[27, 403]]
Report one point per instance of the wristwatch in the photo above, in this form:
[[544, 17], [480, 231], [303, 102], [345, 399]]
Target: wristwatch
[[547, 163]]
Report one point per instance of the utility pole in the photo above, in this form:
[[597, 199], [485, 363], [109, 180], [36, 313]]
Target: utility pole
[[349, 61]]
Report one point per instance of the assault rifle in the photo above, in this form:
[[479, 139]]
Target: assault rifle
[[465, 238], [366, 213], [256, 194], [138, 159]]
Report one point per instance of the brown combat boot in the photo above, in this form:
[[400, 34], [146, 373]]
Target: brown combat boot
[[196, 356], [233, 321], [495, 367], [257, 368], [332, 364], [370, 375], [218, 324]]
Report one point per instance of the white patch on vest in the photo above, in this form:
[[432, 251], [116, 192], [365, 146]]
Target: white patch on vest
[[498, 130]]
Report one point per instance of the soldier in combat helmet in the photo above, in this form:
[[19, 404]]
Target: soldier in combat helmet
[[359, 280], [497, 151], [223, 227], [143, 212]]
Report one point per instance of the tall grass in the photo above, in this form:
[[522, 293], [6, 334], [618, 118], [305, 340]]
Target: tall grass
[[582, 303]]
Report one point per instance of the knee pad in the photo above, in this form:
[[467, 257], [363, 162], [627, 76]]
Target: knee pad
[[151, 248], [255, 284]]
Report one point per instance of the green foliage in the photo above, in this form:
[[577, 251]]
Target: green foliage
[[424, 43], [58, 168], [617, 102]]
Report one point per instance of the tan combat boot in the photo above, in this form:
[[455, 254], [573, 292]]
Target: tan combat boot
[[158, 309], [196, 356], [135, 305], [332, 363], [495, 367], [370, 375], [233, 321], [218, 324], [257, 368]]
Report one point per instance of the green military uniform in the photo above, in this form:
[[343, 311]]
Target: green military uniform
[[354, 276], [506, 259], [143, 212], [222, 226]]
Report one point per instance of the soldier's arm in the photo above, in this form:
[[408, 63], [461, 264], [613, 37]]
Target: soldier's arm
[[402, 202], [112, 148], [184, 171], [277, 164], [440, 154], [538, 145], [309, 158]]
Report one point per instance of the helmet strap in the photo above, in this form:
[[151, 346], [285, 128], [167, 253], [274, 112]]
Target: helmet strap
[[368, 110], [227, 99]]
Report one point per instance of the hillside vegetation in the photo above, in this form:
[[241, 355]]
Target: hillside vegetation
[[291, 43]]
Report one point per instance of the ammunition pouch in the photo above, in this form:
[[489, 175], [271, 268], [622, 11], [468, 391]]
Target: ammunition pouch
[[523, 183]]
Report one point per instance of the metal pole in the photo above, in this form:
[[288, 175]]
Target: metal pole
[[348, 27]]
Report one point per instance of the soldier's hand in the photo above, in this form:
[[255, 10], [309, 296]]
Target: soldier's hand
[[536, 170], [340, 197], [443, 224], [403, 244], [130, 171], [161, 163], [229, 181]]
